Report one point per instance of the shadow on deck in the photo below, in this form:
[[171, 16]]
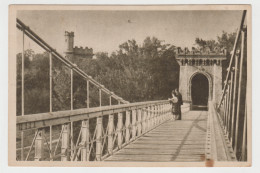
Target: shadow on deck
[[179, 141]]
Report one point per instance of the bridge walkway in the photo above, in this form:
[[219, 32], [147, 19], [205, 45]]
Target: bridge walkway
[[179, 141]]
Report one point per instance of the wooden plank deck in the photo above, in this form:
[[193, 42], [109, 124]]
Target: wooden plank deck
[[173, 141]]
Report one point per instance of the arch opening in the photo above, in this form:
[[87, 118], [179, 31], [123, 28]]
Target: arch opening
[[199, 91]]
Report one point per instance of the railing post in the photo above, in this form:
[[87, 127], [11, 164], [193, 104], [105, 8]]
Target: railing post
[[65, 142], [234, 102], [110, 100], [119, 130], [224, 108], [85, 140], [225, 111], [110, 134], [98, 139], [244, 140], [144, 120], [164, 113], [152, 116], [51, 143], [227, 106], [50, 75], [100, 97], [39, 145], [133, 124], [139, 119], [22, 101], [230, 105], [160, 114], [127, 126], [71, 88], [239, 90], [87, 93], [169, 111], [148, 118]]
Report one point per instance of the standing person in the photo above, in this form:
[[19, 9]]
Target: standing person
[[173, 102], [179, 103]]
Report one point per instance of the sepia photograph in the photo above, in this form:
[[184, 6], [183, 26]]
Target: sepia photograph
[[130, 85]]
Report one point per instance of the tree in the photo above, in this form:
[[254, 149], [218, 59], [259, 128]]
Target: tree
[[224, 41], [136, 73]]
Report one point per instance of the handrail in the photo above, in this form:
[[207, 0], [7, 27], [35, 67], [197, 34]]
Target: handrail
[[218, 147], [232, 105], [233, 54], [99, 132], [72, 115], [73, 68]]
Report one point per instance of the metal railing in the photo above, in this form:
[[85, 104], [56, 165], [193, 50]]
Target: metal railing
[[89, 134], [73, 69], [233, 104]]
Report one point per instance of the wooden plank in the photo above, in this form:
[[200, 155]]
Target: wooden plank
[[172, 141]]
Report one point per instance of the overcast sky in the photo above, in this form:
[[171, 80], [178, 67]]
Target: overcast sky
[[105, 30]]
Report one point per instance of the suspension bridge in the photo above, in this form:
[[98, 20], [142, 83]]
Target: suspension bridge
[[143, 131]]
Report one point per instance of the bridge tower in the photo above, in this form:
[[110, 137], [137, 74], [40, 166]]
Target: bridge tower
[[200, 75]]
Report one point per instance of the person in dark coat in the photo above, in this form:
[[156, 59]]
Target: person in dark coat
[[179, 103], [173, 102]]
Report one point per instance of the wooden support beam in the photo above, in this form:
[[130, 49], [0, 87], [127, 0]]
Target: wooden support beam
[[22, 76], [22, 101], [51, 143], [110, 100], [127, 126], [88, 94], [22, 145], [85, 140], [71, 141], [65, 142], [100, 97], [71, 89], [119, 130], [39, 145], [50, 75], [134, 124], [110, 134], [99, 139]]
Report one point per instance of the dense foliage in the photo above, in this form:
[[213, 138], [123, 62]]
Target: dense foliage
[[134, 72]]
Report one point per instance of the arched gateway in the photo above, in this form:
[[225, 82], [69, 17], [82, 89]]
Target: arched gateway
[[200, 77]]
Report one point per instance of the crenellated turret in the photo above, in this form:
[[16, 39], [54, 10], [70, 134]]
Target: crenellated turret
[[72, 52], [69, 42], [203, 57], [83, 51]]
